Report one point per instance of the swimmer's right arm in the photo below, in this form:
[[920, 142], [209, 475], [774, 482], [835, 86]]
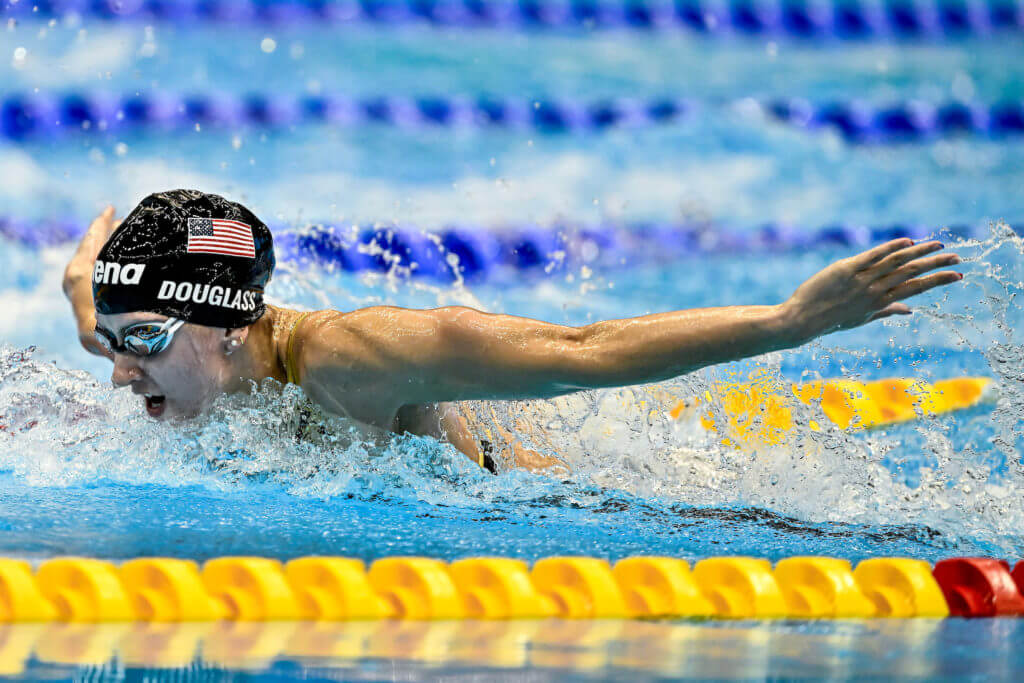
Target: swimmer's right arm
[[77, 282]]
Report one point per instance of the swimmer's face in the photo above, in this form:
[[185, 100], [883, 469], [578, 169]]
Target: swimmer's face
[[179, 381]]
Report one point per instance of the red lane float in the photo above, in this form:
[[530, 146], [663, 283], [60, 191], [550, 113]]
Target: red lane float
[[979, 587]]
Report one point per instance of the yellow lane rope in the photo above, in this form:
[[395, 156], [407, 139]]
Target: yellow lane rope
[[420, 588]]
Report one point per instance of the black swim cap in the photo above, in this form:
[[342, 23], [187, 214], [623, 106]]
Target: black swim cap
[[188, 255]]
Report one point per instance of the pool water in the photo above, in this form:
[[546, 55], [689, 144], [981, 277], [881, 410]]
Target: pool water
[[83, 471], [95, 476]]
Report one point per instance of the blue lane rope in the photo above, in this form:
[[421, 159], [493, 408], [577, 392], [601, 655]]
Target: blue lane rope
[[801, 19], [40, 115], [43, 115], [476, 252], [912, 121]]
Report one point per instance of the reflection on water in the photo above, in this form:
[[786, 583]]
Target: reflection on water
[[540, 650]]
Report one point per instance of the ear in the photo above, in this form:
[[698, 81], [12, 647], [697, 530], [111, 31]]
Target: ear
[[234, 338]]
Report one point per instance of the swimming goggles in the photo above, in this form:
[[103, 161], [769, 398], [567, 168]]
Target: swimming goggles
[[141, 339]]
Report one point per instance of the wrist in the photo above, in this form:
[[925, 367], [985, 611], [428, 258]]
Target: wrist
[[74, 276], [791, 324]]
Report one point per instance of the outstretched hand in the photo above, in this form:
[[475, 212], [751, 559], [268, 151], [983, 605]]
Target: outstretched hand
[[92, 241], [868, 286], [77, 282]]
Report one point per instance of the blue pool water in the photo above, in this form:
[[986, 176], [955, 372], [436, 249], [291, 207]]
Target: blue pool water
[[83, 471], [95, 476]]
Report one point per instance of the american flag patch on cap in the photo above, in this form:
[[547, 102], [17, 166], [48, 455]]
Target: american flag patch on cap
[[220, 236]]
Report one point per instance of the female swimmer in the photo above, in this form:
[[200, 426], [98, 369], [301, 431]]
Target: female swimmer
[[174, 296]]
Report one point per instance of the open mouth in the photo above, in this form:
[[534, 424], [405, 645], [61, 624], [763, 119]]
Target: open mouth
[[155, 405]]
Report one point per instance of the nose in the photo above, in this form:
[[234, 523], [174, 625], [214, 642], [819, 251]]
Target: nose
[[126, 370]]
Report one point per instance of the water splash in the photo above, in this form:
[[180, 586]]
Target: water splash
[[938, 472], [943, 482]]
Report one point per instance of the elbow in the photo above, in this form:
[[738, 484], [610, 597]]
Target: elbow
[[584, 359], [602, 355]]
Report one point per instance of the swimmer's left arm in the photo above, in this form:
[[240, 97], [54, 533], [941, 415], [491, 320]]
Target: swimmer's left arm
[[397, 357], [383, 358]]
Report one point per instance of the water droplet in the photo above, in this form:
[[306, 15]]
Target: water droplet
[[20, 55]]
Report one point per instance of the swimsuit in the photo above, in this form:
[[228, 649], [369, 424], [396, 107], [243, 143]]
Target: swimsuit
[[486, 459]]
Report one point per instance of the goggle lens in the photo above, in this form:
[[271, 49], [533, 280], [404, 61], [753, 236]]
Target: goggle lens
[[139, 347], [145, 330], [143, 339], [103, 338]]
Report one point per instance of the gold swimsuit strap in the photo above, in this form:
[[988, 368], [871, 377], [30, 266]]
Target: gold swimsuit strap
[[289, 358]]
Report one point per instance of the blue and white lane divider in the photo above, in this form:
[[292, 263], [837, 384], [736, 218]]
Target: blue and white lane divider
[[819, 20], [912, 121], [476, 252], [42, 115]]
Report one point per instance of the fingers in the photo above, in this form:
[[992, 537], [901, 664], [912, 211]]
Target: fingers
[[101, 224], [904, 256], [918, 267], [872, 256], [891, 309], [105, 216], [922, 284], [99, 230]]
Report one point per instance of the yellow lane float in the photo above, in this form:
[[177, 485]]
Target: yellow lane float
[[325, 589], [761, 411]]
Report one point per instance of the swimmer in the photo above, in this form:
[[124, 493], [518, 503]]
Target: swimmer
[[174, 296]]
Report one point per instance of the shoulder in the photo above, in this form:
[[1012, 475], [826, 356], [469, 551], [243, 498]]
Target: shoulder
[[349, 363], [375, 327], [379, 339], [337, 341]]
